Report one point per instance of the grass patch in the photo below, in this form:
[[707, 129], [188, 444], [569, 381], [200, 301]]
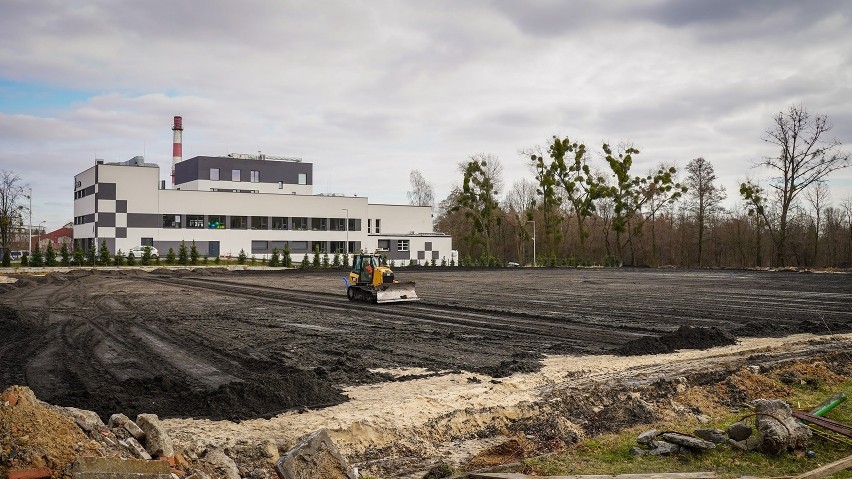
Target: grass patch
[[806, 385]]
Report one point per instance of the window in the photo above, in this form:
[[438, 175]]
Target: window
[[300, 224], [147, 242], [216, 222], [354, 224], [303, 178], [337, 224], [279, 245], [369, 226], [378, 226], [239, 222], [255, 176], [260, 222], [319, 246], [195, 221], [384, 245], [319, 224], [402, 245], [300, 246], [279, 223], [338, 246], [171, 221], [214, 174], [259, 246], [235, 175]]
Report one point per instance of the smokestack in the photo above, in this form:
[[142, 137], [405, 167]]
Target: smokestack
[[177, 144]]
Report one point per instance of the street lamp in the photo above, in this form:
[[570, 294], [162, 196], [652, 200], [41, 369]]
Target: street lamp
[[30, 226], [347, 231], [38, 236], [533, 239]]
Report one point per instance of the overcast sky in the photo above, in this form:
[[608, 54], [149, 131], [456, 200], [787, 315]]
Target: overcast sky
[[369, 90]]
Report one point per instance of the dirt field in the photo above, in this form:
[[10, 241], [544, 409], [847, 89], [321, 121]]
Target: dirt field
[[245, 345]]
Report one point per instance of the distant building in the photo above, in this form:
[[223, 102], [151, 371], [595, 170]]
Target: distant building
[[56, 238], [254, 203]]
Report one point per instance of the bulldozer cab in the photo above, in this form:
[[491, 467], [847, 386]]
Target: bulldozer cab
[[364, 267]]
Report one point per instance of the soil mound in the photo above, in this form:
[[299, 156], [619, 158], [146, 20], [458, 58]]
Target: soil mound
[[685, 337], [291, 388]]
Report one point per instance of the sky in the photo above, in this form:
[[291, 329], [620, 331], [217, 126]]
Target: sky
[[369, 90]]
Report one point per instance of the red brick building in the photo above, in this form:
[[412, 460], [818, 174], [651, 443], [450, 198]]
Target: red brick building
[[55, 238]]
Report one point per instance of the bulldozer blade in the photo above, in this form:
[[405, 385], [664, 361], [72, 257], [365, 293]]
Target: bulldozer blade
[[397, 292]]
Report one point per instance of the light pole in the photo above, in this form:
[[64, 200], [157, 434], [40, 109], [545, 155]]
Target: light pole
[[533, 239], [347, 232], [30, 226]]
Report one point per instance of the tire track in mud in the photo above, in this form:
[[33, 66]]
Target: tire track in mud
[[517, 323]]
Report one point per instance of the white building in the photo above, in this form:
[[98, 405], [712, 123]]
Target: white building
[[241, 202]]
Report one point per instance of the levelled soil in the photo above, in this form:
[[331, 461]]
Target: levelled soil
[[240, 345]]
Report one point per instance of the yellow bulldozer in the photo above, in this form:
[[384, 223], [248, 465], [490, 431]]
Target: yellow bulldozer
[[370, 281]]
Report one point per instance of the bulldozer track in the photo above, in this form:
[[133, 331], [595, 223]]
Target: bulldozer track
[[538, 326]]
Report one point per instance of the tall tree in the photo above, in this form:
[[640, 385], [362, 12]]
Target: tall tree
[[817, 197], [631, 193], [548, 202], [11, 193], [806, 156], [580, 187], [478, 198], [422, 193], [705, 197], [519, 204]]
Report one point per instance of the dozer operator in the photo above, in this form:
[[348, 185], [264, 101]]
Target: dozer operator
[[370, 281]]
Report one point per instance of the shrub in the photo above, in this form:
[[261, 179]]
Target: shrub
[[392, 264], [91, 256], [78, 255], [444, 261], [316, 261], [452, 262], [325, 262], [25, 260], [336, 260], [145, 260], [170, 256], [346, 260], [37, 259], [305, 262], [64, 255], [411, 262], [7, 258], [131, 259], [193, 253], [273, 260], [286, 259], [50, 256], [103, 253], [119, 258], [241, 258], [183, 254]]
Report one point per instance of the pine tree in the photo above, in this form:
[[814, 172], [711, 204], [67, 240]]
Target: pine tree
[[287, 260], [346, 261], [119, 258], [241, 258], [336, 260], [183, 257], [193, 253], [131, 259], [64, 255], [146, 256], [444, 261], [50, 255], [90, 256], [305, 262], [103, 254], [170, 256], [316, 262], [273, 260], [78, 255], [37, 259], [7, 258], [325, 262]]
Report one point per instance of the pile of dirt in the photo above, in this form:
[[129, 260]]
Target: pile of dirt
[[685, 337], [759, 329], [290, 388], [34, 434], [521, 362]]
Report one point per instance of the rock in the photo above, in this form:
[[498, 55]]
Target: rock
[[157, 441], [753, 443], [18, 395], [198, 475], [741, 445], [32, 473], [224, 465], [638, 451], [259, 473], [703, 419], [664, 449], [121, 421], [315, 456], [270, 450], [739, 431], [778, 428], [646, 437], [90, 419], [134, 447], [686, 441], [716, 436], [113, 467]]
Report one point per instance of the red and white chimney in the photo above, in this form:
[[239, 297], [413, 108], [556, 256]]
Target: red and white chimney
[[177, 144]]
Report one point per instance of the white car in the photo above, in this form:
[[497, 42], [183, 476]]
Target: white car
[[138, 251]]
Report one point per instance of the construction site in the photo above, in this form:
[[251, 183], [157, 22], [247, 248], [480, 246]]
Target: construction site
[[249, 363]]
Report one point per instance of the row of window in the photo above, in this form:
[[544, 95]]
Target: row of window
[[264, 246], [254, 176], [401, 245], [296, 223]]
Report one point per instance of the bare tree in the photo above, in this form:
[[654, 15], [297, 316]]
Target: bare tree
[[519, 205], [705, 196], [11, 192], [806, 157], [422, 193], [817, 197]]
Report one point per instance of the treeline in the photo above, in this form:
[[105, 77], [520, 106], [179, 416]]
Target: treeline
[[577, 211]]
